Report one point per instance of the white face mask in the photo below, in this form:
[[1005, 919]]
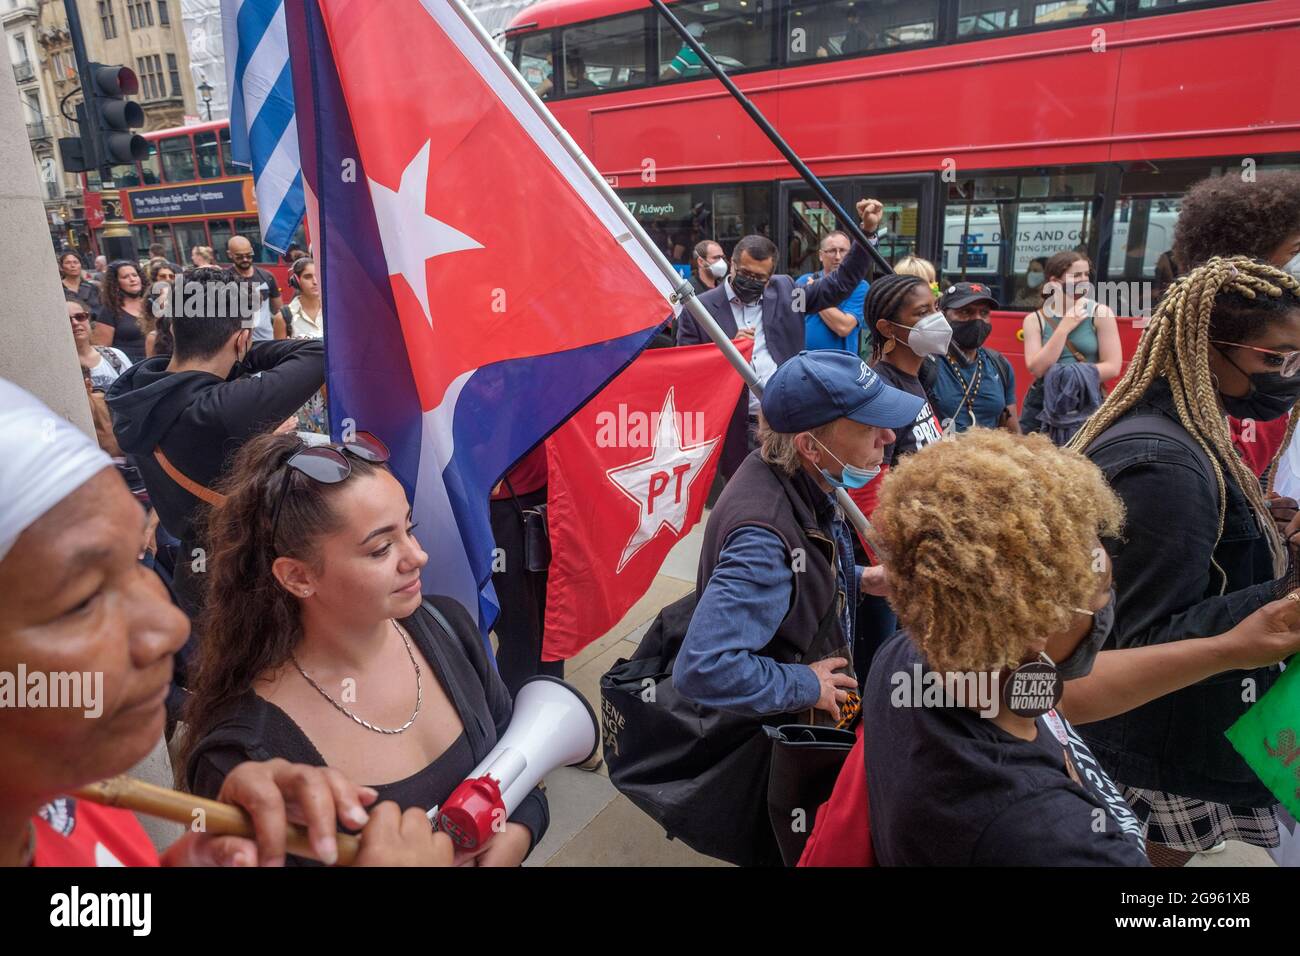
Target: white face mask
[[1293, 267], [718, 269], [1034, 279], [930, 336]]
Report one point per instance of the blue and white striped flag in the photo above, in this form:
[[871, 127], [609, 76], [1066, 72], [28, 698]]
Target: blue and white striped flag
[[263, 134]]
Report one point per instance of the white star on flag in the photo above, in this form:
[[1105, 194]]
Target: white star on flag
[[411, 237], [661, 484]]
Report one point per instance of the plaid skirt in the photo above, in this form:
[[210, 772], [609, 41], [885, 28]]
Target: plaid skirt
[[1183, 823]]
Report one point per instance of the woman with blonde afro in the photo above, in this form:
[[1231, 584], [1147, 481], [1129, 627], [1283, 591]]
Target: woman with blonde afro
[[967, 760]]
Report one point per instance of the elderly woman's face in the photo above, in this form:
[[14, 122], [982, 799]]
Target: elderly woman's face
[[74, 600]]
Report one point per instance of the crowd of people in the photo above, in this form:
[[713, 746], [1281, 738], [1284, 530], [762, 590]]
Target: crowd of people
[[1117, 538]]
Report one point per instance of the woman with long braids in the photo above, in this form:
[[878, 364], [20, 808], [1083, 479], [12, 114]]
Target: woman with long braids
[[124, 320], [318, 646], [1199, 550]]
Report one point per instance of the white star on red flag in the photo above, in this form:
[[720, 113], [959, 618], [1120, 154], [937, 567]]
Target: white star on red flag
[[661, 484], [411, 237]]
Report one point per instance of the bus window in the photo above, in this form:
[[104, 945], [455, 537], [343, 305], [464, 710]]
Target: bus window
[[250, 230], [736, 32], [142, 241], [163, 234], [300, 235], [150, 168], [849, 27], [177, 158], [205, 147], [987, 16], [535, 57], [189, 235], [229, 168], [126, 175], [605, 55], [221, 233], [1061, 11]]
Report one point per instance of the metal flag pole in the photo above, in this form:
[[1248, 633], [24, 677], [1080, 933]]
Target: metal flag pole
[[684, 292], [846, 222]]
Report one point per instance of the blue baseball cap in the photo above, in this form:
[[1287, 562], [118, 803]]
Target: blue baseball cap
[[816, 387]]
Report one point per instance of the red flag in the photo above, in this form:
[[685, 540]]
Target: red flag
[[628, 476]]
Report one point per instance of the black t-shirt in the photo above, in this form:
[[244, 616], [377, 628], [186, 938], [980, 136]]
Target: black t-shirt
[[88, 293], [267, 289], [948, 787], [126, 335], [921, 432]]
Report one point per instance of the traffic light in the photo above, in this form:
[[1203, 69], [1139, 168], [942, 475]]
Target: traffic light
[[106, 119], [115, 115]]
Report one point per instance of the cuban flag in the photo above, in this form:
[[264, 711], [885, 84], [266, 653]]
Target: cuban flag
[[479, 284], [263, 135]]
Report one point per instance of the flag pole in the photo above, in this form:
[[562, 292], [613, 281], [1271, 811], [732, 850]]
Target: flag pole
[[683, 292], [846, 222]]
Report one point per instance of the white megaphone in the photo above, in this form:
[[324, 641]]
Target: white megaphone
[[552, 726]]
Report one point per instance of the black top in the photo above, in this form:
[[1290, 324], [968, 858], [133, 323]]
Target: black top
[[924, 430], [947, 787], [1174, 581], [252, 728], [127, 335], [88, 293]]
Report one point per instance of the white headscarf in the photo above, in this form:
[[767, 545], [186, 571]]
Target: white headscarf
[[43, 459]]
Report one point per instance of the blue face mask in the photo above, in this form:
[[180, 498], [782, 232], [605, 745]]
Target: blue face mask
[[850, 477]]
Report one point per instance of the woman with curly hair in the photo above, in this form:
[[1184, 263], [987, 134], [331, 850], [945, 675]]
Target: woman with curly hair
[[1199, 550], [124, 319], [1002, 598], [319, 648]]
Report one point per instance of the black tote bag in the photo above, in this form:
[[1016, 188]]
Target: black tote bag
[[701, 773], [806, 761]]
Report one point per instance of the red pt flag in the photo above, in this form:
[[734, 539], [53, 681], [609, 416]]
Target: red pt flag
[[628, 476]]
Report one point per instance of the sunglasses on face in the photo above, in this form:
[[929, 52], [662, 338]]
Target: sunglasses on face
[[80, 316], [327, 465], [1287, 363]]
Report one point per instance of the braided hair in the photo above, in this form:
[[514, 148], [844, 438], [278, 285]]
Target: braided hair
[[1226, 298], [883, 301]]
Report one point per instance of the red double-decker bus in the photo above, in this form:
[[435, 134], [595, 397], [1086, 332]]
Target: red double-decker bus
[[996, 132], [186, 193]]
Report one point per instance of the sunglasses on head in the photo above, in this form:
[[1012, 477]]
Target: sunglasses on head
[[327, 465]]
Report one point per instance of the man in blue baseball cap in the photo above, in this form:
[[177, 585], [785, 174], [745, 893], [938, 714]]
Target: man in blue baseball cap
[[772, 632]]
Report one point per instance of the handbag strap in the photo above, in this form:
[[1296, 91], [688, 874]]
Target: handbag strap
[[514, 499], [202, 492], [1078, 356]]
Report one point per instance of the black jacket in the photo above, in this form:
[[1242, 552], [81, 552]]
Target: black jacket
[[783, 327], [200, 421], [1167, 590]]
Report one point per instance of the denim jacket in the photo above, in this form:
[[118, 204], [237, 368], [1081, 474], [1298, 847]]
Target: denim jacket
[[1168, 590]]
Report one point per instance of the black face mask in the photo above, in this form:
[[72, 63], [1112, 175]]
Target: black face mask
[[1271, 396], [971, 335], [1080, 661], [748, 289]]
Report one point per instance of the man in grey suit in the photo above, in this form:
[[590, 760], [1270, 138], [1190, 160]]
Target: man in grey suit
[[756, 302]]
